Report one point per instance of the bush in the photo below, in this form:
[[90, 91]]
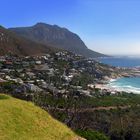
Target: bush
[[91, 135], [3, 97]]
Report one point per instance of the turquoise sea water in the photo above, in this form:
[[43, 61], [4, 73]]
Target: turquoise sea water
[[124, 84]]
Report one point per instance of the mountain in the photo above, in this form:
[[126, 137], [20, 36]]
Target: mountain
[[12, 43], [25, 121], [56, 36]]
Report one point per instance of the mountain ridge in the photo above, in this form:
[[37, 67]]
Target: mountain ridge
[[56, 36], [10, 42]]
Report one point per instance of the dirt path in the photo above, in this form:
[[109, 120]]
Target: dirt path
[[107, 108]]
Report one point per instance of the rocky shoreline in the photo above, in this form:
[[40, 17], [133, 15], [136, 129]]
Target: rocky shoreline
[[125, 72]]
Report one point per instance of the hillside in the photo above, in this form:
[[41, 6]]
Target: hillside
[[23, 120], [12, 43], [56, 36]]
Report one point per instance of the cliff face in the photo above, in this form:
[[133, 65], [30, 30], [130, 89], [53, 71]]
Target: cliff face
[[55, 36], [12, 43]]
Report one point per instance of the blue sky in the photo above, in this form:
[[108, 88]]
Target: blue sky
[[107, 26]]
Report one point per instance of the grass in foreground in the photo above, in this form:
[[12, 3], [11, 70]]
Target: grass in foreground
[[21, 120]]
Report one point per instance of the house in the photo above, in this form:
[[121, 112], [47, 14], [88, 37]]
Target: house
[[18, 80], [25, 64], [92, 86], [34, 88], [2, 80], [2, 59], [85, 92], [30, 74], [38, 62]]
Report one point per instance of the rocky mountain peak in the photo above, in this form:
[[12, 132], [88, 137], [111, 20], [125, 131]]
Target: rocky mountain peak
[[56, 36]]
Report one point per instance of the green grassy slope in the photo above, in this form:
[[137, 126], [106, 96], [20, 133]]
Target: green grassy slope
[[21, 120]]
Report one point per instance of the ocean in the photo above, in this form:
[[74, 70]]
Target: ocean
[[126, 84], [131, 84], [121, 61]]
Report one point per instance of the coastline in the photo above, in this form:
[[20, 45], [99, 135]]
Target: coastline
[[121, 69], [104, 86], [115, 89]]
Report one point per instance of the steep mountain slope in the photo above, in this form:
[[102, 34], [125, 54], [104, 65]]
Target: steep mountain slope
[[25, 121], [56, 36], [12, 43]]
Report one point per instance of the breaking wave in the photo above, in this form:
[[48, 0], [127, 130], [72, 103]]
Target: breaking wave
[[126, 84]]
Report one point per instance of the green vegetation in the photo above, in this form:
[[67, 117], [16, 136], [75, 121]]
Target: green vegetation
[[83, 80], [2, 97], [124, 99], [20, 119], [91, 135], [25, 121], [112, 100], [117, 116]]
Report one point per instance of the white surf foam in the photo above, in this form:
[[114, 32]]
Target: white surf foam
[[126, 88]]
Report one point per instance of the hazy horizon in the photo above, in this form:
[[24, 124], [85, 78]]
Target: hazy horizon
[[109, 27]]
